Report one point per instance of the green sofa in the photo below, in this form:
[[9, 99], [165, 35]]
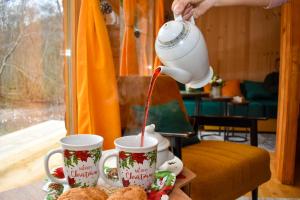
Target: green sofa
[[262, 103]]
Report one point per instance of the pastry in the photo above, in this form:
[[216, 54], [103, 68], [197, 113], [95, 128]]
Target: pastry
[[129, 193], [89, 193]]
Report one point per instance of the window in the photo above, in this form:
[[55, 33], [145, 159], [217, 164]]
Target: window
[[32, 106]]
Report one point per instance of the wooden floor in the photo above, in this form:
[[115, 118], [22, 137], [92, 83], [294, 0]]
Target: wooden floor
[[22, 154], [271, 189]]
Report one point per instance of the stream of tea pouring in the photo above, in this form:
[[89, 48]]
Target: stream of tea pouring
[[181, 47], [148, 101]]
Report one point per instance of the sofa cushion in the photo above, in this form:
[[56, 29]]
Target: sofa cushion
[[212, 108], [206, 107], [207, 88], [238, 110], [256, 90], [167, 117], [270, 108], [231, 88], [190, 106], [256, 109]]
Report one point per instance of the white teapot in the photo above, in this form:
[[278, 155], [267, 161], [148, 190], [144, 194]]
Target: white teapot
[[181, 48]]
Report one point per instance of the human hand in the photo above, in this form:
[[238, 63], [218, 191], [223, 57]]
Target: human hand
[[188, 8]]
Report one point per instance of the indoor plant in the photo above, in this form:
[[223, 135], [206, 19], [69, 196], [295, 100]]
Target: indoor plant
[[216, 86]]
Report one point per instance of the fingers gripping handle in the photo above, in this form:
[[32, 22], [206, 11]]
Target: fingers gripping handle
[[192, 20], [104, 158], [180, 18], [47, 170]]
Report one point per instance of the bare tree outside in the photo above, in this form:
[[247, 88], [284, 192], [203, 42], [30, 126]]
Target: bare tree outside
[[31, 64]]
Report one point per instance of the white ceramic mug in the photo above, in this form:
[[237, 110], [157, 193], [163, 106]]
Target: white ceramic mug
[[136, 165], [81, 155]]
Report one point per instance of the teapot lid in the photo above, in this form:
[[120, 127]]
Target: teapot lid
[[172, 32], [163, 143], [176, 39]]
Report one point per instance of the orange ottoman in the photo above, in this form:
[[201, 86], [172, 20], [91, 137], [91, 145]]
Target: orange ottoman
[[226, 170]]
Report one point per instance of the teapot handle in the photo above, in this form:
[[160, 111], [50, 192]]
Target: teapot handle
[[179, 18]]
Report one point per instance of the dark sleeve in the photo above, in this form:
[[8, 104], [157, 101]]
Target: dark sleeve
[[271, 82]]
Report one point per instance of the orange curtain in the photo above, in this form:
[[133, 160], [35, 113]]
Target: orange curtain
[[129, 64], [97, 97], [159, 21], [143, 27]]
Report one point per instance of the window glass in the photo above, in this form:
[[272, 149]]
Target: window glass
[[31, 88], [31, 64]]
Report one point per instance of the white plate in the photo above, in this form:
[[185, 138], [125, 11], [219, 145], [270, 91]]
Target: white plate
[[174, 164]]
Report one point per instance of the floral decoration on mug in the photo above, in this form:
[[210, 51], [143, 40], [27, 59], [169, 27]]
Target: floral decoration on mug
[[73, 158], [127, 158]]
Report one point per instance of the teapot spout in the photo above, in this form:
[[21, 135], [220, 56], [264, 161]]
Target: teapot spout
[[178, 74]]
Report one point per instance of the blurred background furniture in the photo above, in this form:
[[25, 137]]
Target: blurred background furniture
[[231, 136], [261, 103], [232, 121], [196, 96]]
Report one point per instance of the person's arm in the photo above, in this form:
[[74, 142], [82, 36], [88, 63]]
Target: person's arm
[[195, 8], [265, 3], [275, 3], [242, 2]]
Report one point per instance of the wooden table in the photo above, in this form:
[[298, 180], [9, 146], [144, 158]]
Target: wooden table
[[233, 121], [233, 137], [229, 121], [193, 94], [35, 192], [224, 100]]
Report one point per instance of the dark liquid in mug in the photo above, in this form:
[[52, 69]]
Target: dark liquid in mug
[[148, 101]]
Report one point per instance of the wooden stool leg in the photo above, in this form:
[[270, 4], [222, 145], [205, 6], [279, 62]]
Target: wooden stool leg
[[196, 126], [177, 147], [255, 194]]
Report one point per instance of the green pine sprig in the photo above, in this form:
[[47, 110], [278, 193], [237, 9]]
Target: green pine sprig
[[96, 155], [152, 156]]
